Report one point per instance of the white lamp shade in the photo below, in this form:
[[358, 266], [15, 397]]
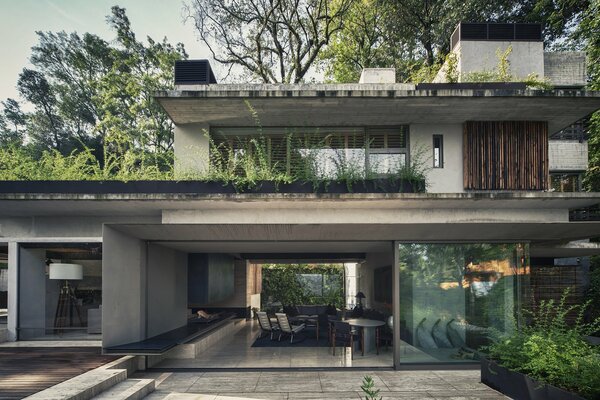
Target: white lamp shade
[[66, 271]]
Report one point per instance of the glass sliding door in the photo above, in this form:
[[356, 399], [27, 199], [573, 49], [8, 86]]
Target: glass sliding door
[[453, 297]]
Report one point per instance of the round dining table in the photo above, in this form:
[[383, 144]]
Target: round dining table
[[369, 334]]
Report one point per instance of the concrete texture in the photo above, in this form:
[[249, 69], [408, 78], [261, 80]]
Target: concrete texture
[[566, 68], [526, 57], [448, 179], [123, 288], [567, 155], [320, 385], [376, 105], [191, 148], [166, 287], [378, 75], [32, 289]]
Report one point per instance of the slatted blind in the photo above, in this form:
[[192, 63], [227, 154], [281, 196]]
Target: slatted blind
[[388, 138], [505, 155]]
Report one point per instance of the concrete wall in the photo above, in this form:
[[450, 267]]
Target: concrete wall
[[567, 155], [441, 180], [64, 226], [167, 289], [365, 280], [526, 57], [123, 288], [191, 147], [566, 68], [32, 293]]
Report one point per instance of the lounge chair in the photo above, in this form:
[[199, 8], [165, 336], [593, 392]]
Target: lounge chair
[[265, 324], [285, 328]]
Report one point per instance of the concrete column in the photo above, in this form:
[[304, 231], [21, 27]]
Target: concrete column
[[32, 293], [13, 290], [167, 289], [124, 282], [191, 147]]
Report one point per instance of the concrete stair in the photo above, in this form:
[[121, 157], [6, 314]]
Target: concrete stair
[[106, 382], [84, 386], [130, 389]]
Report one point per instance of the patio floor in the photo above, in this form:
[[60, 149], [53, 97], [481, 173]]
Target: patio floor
[[444, 385], [238, 352]]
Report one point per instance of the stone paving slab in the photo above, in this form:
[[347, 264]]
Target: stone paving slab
[[313, 385]]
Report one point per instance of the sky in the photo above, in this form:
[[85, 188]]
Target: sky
[[20, 19]]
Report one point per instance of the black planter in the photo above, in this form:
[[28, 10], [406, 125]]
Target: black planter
[[208, 187], [519, 386]]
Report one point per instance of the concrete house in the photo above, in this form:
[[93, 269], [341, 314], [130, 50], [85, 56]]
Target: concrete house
[[502, 212]]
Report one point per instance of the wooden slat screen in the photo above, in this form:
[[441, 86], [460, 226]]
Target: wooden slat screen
[[505, 155]]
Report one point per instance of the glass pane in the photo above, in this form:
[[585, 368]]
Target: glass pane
[[334, 163], [386, 163], [453, 296]]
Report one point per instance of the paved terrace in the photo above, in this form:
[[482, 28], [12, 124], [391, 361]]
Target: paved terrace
[[443, 385]]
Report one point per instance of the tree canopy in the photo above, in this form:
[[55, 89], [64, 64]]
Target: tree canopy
[[87, 93]]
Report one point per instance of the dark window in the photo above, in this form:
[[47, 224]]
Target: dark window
[[438, 151], [565, 182]]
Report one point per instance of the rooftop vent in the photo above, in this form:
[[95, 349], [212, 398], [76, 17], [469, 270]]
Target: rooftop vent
[[497, 32], [193, 72]]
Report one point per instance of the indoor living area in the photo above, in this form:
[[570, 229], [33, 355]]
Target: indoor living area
[[60, 291], [305, 303]]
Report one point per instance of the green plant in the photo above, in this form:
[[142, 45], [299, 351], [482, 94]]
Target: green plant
[[502, 73], [368, 387], [451, 73], [550, 350], [287, 284]]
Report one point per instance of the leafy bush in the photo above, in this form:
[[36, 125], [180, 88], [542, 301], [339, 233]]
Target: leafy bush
[[549, 350], [284, 283], [368, 387]]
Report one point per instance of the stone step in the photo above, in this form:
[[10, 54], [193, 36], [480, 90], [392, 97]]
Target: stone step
[[84, 386], [130, 389]]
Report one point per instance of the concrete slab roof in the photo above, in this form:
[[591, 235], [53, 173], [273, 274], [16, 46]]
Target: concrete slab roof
[[448, 232], [370, 104], [153, 204]]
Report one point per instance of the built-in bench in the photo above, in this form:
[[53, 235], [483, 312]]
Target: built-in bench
[[161, 343]]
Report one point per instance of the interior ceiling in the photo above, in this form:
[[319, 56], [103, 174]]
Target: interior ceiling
[[249, 247]]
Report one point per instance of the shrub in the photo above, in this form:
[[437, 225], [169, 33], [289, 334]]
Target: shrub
[[548, 349]]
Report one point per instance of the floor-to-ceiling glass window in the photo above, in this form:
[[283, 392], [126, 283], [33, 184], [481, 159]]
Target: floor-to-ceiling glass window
[[454, 297]]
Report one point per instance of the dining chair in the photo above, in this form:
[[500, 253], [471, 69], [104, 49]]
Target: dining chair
[[344, 332]]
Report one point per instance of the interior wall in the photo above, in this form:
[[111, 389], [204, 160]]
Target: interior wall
[[167, 289], [32, 293], [366, 274], [239, 298], [123, 288], [211, 278]]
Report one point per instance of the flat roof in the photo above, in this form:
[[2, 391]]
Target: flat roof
[[153, 204], [370, 104]]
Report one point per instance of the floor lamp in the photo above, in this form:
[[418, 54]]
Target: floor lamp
[[67, 305]]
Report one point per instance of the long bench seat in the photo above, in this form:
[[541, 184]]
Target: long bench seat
[[165, 341]]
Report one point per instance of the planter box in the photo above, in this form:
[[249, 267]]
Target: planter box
[[519, 386], [207, 187]]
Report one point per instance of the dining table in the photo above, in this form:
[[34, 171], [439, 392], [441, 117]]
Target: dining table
[[369, 336]]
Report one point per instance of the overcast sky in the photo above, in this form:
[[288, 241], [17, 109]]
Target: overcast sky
[[19, 19]]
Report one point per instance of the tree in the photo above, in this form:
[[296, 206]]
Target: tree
[[12, 123], [273, 41], [87, 92]]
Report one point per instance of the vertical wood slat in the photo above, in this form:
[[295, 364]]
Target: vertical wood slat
[[505, 155]]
